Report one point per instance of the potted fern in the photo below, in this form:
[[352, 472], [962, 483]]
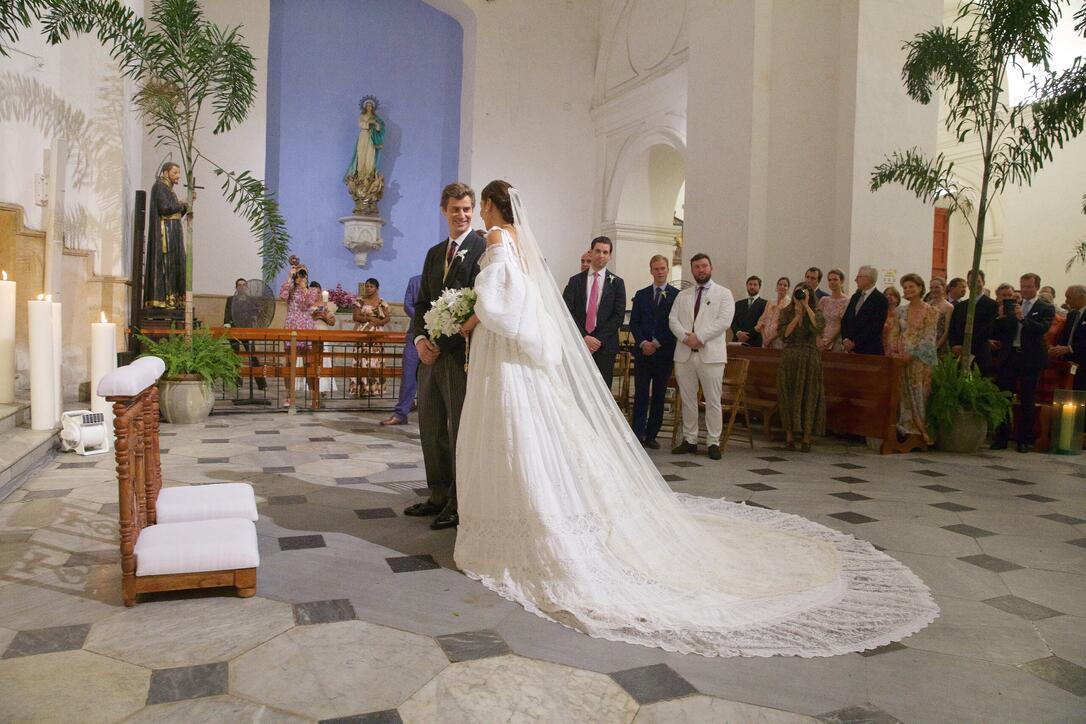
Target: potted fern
[[193, 365], [964, 405]]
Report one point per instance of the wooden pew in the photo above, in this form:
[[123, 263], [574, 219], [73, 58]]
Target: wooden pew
[[862, 393]]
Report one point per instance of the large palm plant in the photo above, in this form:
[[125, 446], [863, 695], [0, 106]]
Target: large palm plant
[[189, 73], [967, 63]]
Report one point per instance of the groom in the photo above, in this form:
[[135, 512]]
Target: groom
[[452, 264]]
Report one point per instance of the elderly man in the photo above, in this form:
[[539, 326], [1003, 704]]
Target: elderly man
[[1071, 345], [586, 261], [865, 316], [1021, 327]]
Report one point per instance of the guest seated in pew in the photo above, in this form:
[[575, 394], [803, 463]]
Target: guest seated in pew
[[801, 398]]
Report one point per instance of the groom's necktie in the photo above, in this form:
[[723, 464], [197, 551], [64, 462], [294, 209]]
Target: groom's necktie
[[593, 302], [449, 257]]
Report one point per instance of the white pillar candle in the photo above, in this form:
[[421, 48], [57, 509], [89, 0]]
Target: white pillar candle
[[7, 340], [1067, 426], [324, 296], [58, 356], [43, 409], [103, 361]]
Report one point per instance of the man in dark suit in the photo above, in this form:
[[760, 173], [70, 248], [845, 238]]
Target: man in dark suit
[[654, 351], [955, 291], [983, 321], [597, 300], [747, 313], [865, 316], [442, 381], [1020, 328], [1071, 346], [813, 276]]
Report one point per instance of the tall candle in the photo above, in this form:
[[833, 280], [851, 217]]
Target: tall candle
[[103, 361], [43, 409], [7, 340], [58, 356], [324, 296], [1067, 425]]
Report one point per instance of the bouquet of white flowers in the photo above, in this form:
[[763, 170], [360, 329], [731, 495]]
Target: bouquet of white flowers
[[449, 311]]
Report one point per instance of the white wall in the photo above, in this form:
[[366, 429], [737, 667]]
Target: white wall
[[224, 248]]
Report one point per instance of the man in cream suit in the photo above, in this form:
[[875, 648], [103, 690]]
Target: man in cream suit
[[700, 316]]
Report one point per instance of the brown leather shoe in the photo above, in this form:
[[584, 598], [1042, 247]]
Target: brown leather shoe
[[393, 420]]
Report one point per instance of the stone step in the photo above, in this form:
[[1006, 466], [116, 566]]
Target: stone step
[[14, 415], [23, 452]]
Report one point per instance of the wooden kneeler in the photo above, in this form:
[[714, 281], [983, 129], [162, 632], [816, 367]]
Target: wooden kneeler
[[139, 480]]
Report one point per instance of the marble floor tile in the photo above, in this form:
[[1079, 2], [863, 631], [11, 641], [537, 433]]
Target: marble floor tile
[[169, 634], [700, 709], [862, 714], [978, 631], [1059, 591], [187, 682], [313, 612], [952, 577], [337, 669], [1059, 672], [29, 606], [59, 687], [650, 684], [47, 640], [1022, 607], [511, 688], [213, 710], [472, 645], [991, 563], [1065, 636], [1041, 553]]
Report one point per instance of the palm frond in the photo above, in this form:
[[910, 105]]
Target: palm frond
[[928, 178], [945, 59], [118, 28], [231, 81], [251, 200], [1080, 20], [16, 16], [1019, 28], [1078, 256]]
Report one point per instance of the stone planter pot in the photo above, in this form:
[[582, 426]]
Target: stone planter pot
[[185, 400], [966, 434]]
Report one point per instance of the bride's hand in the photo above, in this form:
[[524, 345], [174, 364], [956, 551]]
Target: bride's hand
[[468, 326]]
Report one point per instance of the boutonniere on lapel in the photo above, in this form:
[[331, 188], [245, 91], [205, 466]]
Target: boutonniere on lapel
[[461, 254], [609, 276], [663, 294]]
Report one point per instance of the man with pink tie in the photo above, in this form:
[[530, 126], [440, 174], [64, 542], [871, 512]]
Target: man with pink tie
[[597, 300]]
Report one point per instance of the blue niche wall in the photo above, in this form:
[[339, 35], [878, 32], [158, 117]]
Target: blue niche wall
[[324, 55]]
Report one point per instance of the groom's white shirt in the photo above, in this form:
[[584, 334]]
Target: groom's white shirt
[[714, 317]]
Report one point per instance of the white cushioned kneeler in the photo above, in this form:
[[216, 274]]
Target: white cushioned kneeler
[[197, 546], [206, 502]]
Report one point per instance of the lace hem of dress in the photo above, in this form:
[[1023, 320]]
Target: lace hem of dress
[[881, 601]]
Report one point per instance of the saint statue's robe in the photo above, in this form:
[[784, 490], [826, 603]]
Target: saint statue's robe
[[164, 276]]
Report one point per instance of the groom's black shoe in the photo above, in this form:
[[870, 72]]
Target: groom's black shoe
[[448, 518], [421, 510], [714, 452], [683, 448]]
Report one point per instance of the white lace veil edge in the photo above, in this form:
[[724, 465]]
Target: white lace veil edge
[[593, 398]]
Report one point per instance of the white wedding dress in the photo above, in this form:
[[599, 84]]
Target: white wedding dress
[[563, 512]]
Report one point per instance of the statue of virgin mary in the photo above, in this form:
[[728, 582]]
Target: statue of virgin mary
[[363, 178]]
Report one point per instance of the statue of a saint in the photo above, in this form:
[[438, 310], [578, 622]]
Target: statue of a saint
[[164, 276], [363, 178]]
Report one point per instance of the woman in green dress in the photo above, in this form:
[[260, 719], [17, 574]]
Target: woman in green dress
[[801, 398]]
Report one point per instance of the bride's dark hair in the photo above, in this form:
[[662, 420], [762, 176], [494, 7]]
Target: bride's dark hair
[[497, 193]]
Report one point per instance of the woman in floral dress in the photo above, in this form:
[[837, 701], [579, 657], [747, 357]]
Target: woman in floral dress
[[912, 338], [893, 302], [300, 301], [767, 323], [371, 314], [833, 309], [938, 301]]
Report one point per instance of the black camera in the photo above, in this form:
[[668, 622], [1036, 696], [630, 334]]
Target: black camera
[[799, 293], [1008, 307]]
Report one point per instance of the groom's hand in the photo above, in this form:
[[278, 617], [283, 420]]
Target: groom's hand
[[428, 351]]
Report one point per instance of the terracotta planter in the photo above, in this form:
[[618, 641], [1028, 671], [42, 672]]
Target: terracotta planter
[[966, 434], [185, 400]]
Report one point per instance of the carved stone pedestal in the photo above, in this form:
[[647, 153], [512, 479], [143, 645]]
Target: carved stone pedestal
[[361, 235]]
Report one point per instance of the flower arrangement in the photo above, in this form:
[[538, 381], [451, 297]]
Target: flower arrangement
[[341, 297], [449, 311]]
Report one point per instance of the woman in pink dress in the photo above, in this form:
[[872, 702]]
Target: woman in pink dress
[[767, 323], [938, 301], [893, 301], [300, 301], [833, 308]]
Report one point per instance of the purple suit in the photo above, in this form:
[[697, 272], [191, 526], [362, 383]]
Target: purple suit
[[410, 363]]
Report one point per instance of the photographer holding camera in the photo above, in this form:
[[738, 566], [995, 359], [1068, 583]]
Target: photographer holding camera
[[801, 397], [300, 301]]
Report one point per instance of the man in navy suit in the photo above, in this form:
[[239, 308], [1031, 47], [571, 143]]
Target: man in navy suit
[[747, 313], [1020, 328], [654, 351], [865, 316], [597, 300], [1071, 346]]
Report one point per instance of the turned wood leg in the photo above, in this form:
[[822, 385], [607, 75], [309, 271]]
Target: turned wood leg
[[245, 581]]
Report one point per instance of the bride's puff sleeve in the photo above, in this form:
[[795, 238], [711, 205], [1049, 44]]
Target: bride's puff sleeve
[[506, 307]]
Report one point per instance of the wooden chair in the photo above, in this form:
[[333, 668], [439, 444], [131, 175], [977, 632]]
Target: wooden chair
[[623, 372], [166, 556], [733, 398]]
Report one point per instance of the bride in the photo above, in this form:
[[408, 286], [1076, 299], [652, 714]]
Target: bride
[[562, 511]]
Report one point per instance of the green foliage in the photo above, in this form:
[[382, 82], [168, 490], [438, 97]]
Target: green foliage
[[184, 68], [211, 358], [967, 64], [954, 389], [16, 15]]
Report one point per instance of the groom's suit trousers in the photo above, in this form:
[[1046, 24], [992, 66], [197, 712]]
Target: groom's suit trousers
[[710, 375], [441, 391]]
